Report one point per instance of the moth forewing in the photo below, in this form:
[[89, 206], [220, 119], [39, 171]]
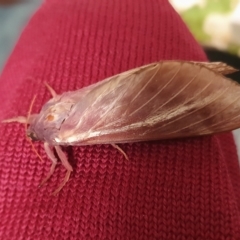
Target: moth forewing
[[167, 99], [159, 101]]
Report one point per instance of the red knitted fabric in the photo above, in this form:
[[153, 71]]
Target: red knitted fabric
[[175, 189]]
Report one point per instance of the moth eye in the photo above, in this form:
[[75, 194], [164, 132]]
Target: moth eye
[[50, 117], [32, 136]]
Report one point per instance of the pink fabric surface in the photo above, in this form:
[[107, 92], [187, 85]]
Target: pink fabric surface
[[175, 189]]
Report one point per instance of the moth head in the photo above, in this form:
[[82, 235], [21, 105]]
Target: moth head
[[47, 124], [32, 135]]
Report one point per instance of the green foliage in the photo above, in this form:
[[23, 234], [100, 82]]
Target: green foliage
[[195, 17]]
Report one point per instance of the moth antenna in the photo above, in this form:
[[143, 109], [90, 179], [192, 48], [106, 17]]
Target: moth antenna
[[50, 89], [34, 149], [27, 122], [29, 111]]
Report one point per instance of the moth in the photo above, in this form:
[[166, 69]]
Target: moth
[[162, 100]]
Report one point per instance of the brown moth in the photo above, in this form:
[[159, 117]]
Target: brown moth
[[167, 99]]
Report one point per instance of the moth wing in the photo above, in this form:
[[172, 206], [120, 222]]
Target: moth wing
[[218, 67], [169, 99]]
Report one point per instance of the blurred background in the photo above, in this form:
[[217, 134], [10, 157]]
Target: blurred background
[[14, 15], [216, 26], [214, 23]]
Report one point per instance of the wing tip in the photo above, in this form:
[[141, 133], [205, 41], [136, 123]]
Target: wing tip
[[218, 67]]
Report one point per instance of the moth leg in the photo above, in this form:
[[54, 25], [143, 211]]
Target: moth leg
[[66, 164], [20, 119], [50, 89], [65, 180], [120, 150], [50, 154], [63, 158]]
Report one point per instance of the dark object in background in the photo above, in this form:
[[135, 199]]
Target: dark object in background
[[232, 60], [9, 2]]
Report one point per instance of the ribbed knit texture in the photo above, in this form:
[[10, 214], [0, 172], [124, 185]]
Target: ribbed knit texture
[[175, 189]]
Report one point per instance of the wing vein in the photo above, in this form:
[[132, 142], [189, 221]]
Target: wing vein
[[103, 117], [216, 124], [188, 100], [158, 68], [218, 96], [178, 92], [155, 95]]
